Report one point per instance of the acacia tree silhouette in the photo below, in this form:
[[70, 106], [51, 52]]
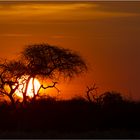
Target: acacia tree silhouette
[[39, 60], [10, 73], [51, 62]]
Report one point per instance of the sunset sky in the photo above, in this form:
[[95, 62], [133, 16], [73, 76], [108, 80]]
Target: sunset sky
[[105, 34]]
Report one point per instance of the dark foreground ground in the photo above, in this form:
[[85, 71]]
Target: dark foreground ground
[[112, 133], [76, 118]]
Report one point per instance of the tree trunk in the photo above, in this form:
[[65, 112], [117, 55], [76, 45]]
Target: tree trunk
[[33, 83], [25, 92], [12, 101]]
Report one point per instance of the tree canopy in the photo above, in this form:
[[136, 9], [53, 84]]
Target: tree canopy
[[39, 60], [47, 60]]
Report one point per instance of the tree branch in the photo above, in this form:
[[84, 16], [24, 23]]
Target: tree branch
[[52, 86]]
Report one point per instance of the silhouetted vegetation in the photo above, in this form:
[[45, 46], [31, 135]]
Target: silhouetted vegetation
[[71, 117], [46, 117], [38, 61], [10, 73]]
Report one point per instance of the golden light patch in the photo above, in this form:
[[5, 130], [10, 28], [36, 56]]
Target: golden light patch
[[22, 86]]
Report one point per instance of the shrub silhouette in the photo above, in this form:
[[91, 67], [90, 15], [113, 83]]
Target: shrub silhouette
[[111, 98]]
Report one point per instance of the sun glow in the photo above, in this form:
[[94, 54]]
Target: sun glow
[[22, 86]]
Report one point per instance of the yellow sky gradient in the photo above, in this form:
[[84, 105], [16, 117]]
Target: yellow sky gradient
[[106, 34]]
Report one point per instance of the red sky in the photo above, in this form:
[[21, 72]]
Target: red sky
[[106, 34]]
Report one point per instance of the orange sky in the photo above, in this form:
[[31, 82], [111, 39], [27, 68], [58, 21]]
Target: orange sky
[[106, 34]]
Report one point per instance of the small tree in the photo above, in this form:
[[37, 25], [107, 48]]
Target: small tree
[[91, 94], [10, 73], [51, 62]]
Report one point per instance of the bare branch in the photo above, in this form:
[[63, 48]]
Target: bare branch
[[52, 86], [91, 93]]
